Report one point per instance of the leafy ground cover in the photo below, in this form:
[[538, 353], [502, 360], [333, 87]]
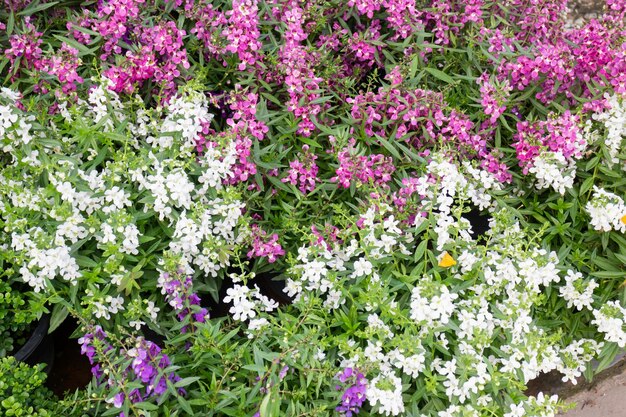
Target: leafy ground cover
[[437, 187]]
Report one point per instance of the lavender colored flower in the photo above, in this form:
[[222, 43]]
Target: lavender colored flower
[[178, 293], [354, 396]]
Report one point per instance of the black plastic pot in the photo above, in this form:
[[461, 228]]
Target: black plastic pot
[[39, 348]]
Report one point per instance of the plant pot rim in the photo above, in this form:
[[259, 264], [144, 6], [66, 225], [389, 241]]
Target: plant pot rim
[[35, 339]]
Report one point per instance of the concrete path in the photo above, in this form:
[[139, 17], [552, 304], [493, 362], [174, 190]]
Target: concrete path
[[604, 398]]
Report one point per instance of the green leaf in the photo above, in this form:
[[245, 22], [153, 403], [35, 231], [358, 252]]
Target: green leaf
[[609, 274], [440, 75], [10, 24], [185, 405], [421, 249], [146, 406], [59, 313], [82, 49], [393, 151], [85, 262], [186, 381], [264, 409], [607, 355], [586, 185], [36, 7]]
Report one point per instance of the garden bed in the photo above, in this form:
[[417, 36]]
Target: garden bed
[[311, 208]]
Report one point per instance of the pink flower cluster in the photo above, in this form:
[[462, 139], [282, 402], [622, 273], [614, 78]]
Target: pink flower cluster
[[418, 116], [244, 125], [303, 171], [25, 49], [297, 65], [535, 20], [150, 51], [371, 169], [263, 247], [65, 65], [208, 24], [242, 33], [25, 54], [441, 18], [16, 5], [161, 53], [567, 64], [492, 97], [560, 133], [115, 20]]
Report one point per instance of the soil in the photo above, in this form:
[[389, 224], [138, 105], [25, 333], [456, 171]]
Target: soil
[[71, 370], [585, 9]]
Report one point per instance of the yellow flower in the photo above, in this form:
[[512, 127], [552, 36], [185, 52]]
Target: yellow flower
[[446, 260], [623, 219]]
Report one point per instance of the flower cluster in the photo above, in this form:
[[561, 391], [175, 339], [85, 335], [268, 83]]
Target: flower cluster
[[607, 211], [379, 155], [179, 294], [247, 303], [549, 150], [611, 320], [374, 170], [353, 397], [263, 247], [303, 171], [147, 372]]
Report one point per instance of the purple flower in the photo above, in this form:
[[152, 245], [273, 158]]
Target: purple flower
[[354, 396]]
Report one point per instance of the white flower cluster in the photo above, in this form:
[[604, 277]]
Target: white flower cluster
[[171, 189], [197, 239], [381, 235], [466, 183], [552, 169], [386, 391], [611, 320], [151, 310], [614, 121], [247, 303], [46, 264], [15, 127], [102, 103], [577, 292], [432, 304], [91, 198], [477, 315], [186, 114], [104, 307], [607, 211], [575, 358]]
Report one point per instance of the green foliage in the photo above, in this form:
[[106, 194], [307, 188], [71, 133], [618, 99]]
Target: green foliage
[[22, 390]]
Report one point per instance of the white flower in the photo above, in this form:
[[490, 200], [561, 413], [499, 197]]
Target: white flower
[[607, 211], [386, 390], [130, 244], [376, 324], [437, 309], [256, 324], [576, 292], [117, 197], [517, 410], [552, 170], [614, 120], [136, 324], [610, 319], [115, 303], [243, 308], [362, 267], [152, 310]]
